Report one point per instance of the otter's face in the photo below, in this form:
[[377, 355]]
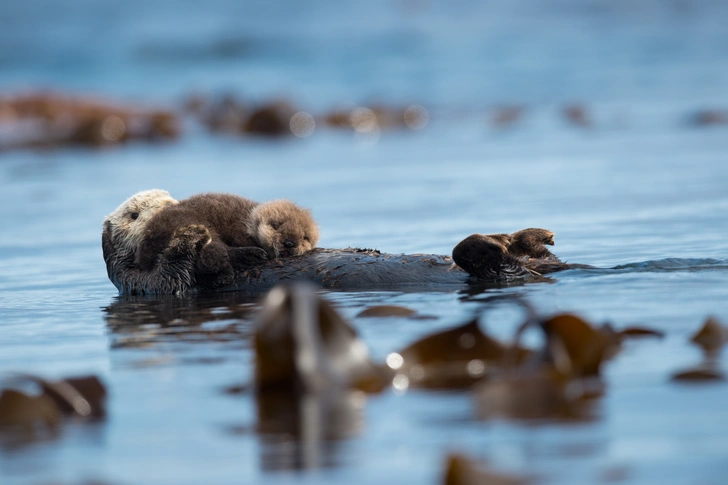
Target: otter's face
[[283, 229], [126, 224]]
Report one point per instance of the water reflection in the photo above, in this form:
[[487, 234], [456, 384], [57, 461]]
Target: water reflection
[[304, 431], [142, 321]]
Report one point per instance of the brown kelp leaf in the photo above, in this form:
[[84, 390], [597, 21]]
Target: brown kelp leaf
[[20, 409], [636, 332], [577, 114], [387, 311], [698, 374], [711, 336], [576, 347], [301, 342], [83, 396], [534, 394], [462, 470], [453, 358]]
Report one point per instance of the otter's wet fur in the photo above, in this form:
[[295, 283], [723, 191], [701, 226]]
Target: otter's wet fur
[[122, 232]]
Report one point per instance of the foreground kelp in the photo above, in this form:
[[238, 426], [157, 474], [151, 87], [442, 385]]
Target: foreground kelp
[[463, 470], [312, 373], [34, 408], [46, 120], [303, 344], [711, 338]]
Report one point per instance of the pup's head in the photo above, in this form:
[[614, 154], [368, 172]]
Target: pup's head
[[283, 229]]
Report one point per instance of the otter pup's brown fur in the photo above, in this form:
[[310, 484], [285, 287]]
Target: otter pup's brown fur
[[282, 228], [224, 216], [243, 233]]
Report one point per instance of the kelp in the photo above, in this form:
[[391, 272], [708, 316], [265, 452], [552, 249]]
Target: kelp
[[711, 337], [460, 469], [32, 407]]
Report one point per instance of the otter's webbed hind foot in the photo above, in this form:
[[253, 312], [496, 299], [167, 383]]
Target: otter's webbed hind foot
[[487, 259], [247, 257]]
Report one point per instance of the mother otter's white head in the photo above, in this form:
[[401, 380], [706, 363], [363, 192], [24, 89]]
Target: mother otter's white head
[[283, 229], [126, 224]]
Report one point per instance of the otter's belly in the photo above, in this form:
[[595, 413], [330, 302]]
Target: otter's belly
[[355, 269]]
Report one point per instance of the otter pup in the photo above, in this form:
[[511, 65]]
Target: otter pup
[[122, 232], [243, 234], [282, 228]]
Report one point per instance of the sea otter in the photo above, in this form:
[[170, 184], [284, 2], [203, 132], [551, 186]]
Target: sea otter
[[243, 234], [176, 270], [122, 231]]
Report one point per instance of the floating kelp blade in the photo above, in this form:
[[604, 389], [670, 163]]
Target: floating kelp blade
[[20, 410], [576, 348], [387, 311], [462, 470], [302, 343], [712, 336], [638, 332], [84, 396], [556, 382], [700, 373], [454, 358]]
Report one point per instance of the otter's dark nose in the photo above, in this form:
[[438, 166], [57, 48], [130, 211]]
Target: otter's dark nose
[[289, 244]]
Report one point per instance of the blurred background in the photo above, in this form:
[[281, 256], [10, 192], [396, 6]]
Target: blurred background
[[405, 125]]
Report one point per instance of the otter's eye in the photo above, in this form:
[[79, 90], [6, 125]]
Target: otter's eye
[[275, 225], [135, 215]]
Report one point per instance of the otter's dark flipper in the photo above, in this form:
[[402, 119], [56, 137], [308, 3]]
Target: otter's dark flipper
[[247, 257], [486, 258]]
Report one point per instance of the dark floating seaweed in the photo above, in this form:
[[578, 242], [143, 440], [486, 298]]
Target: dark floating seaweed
[[711, 338], [33, 408], [47, 120], [463, 470]]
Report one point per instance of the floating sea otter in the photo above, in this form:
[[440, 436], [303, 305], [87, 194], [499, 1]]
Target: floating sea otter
[[228, 233], [176, 267]]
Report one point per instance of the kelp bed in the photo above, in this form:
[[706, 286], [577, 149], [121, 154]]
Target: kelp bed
[[311, 368]]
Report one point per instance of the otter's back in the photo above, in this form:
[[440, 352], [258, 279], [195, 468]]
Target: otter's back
[[225, 215]]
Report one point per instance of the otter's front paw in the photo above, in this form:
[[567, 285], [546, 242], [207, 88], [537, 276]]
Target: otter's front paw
[[247, 257], [194, 234]]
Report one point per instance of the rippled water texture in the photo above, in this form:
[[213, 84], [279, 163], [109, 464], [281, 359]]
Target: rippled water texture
[[640, 189]]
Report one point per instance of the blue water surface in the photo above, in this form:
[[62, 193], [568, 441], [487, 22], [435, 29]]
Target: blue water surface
[[641, 189]]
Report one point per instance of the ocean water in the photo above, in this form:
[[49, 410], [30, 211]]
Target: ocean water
[[641, 189]]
